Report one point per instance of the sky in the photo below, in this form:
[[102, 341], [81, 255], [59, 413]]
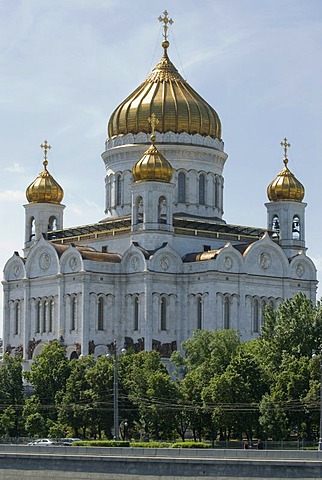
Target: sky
[[65, 65]]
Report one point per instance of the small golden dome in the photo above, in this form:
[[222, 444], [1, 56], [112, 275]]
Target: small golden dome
[[176, 104], [152, 166], [44, 189], [285, 186]]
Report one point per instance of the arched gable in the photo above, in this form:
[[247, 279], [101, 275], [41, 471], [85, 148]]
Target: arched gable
[[71, 261], [133, 260], [42, 260], [302, 268], [166, 260], [229, 260], [264, 257], [14, 269]]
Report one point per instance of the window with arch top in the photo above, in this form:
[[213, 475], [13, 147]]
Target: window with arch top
[[296, 228], [100, 314], [136, 313], [226, 313], [181, 187], [199, 313], [163, 313], [162, 210], [202, 189], [118, 190]]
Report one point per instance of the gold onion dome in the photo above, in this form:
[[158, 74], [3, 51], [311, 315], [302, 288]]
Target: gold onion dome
[[153, 165], [44, 189], [285, 187], [178, 106]]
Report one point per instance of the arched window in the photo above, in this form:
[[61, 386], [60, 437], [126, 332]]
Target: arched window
[[162, 210], [296, 228], [276, 226], [264, 303], [38, 316], [226, 313], [17, 318], [44, 317], [118, 190], [73, 316], [199, 313], [100, 314], [139, 209], [52, 223], [32, 228], [181, 187], [256, 316], [202, 189], [217, 192], [163, 313], [136, 313], [51, 315]]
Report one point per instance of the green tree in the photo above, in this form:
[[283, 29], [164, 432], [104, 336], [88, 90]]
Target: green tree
[[12, 390], [48, 374]]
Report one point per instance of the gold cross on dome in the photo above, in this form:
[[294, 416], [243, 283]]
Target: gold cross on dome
[[153, 122], [165, 21], [45, 146], [286, 145]]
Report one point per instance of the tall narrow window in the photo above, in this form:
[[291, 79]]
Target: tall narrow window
[[118, 190], [162, 210], [226, 313], [139, 209], [276, 226], [256, 316], [51, 315], [136, 313], [32, 228], [199, 313], [73, 313], [181, 187], [163, 313], [52, 223], [263, 311], [44, 317], [202, 189], [17, 318], [100, 314], [38, 316], [296, 228], [216, 192]]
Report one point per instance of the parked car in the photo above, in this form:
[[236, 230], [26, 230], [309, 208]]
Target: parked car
[[68, 441], [44, 442]]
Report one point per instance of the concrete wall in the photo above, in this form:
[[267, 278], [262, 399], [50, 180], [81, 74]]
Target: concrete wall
[[155, 464]]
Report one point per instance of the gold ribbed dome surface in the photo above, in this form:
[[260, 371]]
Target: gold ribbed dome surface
[[178, 106], [285, 185], [152, 166], [44, 189]]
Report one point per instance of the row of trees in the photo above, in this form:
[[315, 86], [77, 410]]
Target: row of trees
[[221, 387]]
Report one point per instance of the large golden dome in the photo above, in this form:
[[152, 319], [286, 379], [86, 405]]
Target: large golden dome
[[152, 166], [178, 107], [285, 186], [44, 189]]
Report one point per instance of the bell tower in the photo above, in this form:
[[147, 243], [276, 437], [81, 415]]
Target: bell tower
[[44, 212], [286, 210]]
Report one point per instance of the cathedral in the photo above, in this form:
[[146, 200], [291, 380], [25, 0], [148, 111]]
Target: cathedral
[[163, 261]]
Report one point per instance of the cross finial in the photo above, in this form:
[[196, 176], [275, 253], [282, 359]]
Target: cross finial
[[45, 146], [285, 144], [165, 21], [153, 122]]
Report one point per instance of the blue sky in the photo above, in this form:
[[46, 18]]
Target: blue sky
[[65, 65]]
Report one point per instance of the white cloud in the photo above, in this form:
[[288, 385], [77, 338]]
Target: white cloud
[[12, 195], [16, 168]]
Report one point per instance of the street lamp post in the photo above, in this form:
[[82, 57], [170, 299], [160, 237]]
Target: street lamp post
[[315, 356], [116, 389]]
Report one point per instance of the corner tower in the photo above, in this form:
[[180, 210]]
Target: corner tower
[[286, 210], [188, 133], [44, 212]]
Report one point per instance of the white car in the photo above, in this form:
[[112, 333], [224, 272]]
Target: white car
[[43, 442]]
